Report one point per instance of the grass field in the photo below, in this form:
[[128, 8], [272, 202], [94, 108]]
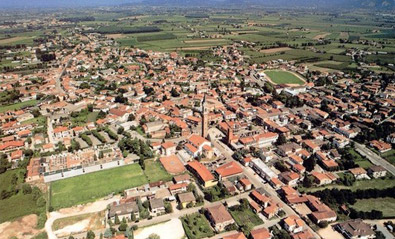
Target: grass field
[[18, 106], [283, 77], [389, 156], [155, 172], [88, 187], [196, 226], [386, 205]]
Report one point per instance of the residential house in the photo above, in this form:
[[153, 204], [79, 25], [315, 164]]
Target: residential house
[[157, 206], [219, 217], [186, 198]]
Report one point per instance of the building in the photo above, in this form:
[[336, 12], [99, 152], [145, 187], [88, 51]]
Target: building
[[228, 170], [205, 119], [293, 224], [157, 206], [354, 229], [219, 217], [261, 233], [377, 171], [197, 145], [203, 175], [186, 198], [123, 210], [262, 169], [239, 235], [359, 173]]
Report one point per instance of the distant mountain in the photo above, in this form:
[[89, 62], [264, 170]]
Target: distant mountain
[[380, 4], [340, 4]]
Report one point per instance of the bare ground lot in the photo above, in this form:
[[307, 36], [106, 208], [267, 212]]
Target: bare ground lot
[[12, 39], [321, 36], [275, 50], [24, 228], [115, 36]]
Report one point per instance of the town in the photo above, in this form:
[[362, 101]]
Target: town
[[104, 141]]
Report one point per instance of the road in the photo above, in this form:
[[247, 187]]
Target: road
[[257, 181], [381, 228], [374, 158]]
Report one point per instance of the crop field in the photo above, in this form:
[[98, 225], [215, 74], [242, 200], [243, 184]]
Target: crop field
[[284, 77]]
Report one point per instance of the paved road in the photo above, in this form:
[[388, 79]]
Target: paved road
[[374, 158], [381, 228]]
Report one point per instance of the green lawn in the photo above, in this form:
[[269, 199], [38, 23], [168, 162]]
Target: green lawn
[[245, 217], [196, 226], [155, 172], [18, 106], [41, 120], [389, 156], [88, 187], [283, 77], [386, 205], [360, 184]]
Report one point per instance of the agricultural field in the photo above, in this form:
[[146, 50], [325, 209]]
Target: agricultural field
[[284, 77]]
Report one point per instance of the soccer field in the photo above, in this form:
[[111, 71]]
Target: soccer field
[[283, 77]]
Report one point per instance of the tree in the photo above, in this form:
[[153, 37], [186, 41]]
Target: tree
[[71, 237], [309, 163], [131, 117], [307, 182], [116, 220], [120, 130], [90, 235], [26, 189], [123, 227], [90, 108], [281, 139], [154, 236], [107, 233]]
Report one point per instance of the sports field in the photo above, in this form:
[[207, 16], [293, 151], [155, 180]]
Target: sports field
[[88, 187], [283, 77]]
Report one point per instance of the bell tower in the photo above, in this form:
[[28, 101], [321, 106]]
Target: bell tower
[[204, 117]]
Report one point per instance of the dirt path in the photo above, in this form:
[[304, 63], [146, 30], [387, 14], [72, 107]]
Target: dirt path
[[275, 50], [74, 211]]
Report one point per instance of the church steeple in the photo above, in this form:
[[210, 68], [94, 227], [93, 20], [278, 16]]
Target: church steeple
[[204, 117]]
